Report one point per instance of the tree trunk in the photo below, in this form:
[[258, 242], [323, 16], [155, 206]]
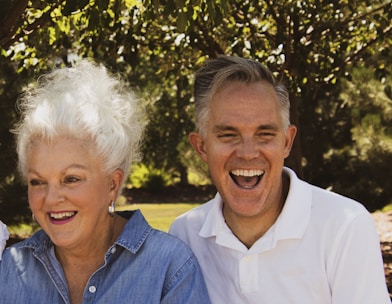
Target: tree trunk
[[293, 161]]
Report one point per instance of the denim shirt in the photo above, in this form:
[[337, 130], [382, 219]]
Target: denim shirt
[[143, 266]]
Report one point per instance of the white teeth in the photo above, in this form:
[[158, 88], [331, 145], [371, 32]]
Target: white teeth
[[242, 172], [61, 215]]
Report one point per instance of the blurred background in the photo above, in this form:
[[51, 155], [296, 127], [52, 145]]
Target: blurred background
[[335, 56]]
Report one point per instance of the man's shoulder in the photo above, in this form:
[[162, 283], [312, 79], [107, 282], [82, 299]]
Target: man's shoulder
[[195, 214], [325, 199], [336, 201], [192, 219]]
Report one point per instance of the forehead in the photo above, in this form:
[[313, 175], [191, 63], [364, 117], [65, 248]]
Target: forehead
[[247, 103], [60, 142], [60, 153]]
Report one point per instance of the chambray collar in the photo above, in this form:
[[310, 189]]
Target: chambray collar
[[135, 231]]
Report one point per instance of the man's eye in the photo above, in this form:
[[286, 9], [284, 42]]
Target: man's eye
[[266, 134], [226, 135]]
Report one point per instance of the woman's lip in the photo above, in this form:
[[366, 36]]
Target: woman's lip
[[62, 217]]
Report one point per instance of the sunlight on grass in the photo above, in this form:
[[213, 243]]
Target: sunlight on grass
[[160, 216]]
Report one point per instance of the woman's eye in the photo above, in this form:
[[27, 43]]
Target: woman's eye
[[71, 179], [36, 182]]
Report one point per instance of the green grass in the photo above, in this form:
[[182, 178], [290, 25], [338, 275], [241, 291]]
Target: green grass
[[160, 216]]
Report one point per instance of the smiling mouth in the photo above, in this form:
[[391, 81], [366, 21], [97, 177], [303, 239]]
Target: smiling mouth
[[62, 216], [247, 179]]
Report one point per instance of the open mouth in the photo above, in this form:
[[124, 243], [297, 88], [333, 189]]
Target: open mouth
[[62, 216], [247, 179]]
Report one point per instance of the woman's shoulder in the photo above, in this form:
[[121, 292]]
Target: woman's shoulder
[[138, 234], [169, 243], [37, 241]]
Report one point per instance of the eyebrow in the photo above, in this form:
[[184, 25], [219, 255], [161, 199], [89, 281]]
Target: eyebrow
[[218, 128], [272, 127], [222, 127]]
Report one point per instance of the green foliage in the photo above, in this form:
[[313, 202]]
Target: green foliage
[[365, 179], [312, 46], [13, 205], [360, 170], [155, 183], [138, 176], [13, 200], [153, 180]]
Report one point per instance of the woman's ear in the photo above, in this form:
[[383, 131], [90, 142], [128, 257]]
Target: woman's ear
[[116, 180], [198, 144]]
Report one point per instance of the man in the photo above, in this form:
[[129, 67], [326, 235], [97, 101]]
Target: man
[[267, 236]]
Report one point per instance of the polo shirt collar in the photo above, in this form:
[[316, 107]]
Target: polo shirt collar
[[291, 223]]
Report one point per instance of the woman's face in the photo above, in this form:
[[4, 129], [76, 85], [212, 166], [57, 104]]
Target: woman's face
[[68, 192]]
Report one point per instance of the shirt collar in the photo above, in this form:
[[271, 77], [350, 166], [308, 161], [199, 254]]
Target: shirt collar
[[295, 216], [214, 221], [215, 226], [291, 223], [132, 237], [135, 231]]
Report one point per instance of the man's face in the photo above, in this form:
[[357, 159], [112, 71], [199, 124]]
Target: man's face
[[245, 146]]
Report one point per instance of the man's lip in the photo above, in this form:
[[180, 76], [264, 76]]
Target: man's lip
[[247, 178]]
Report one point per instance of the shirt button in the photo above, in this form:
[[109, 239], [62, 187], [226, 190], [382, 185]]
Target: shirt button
[[92, 289], [113, 250]]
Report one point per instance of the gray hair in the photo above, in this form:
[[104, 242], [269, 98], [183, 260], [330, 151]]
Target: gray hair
[[218, 71], [82, 102]]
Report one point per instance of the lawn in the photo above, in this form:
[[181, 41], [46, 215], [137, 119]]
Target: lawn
[[160, 216]]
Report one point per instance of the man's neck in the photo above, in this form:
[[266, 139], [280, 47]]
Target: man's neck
[[249, 229]]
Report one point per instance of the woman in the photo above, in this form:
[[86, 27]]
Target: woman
[[79, 133]]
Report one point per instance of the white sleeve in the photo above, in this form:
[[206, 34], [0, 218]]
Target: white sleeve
[[3, 237], [356, 269]]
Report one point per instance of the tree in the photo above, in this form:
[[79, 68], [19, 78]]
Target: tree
[[370, 154], [312, 45], [157, 45]]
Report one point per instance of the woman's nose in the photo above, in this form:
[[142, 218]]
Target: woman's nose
[[54, 194]]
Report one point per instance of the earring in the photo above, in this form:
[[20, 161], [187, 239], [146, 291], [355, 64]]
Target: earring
[[33, 217], [111, 208]]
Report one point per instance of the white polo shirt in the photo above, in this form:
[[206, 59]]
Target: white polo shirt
[[323, 248]]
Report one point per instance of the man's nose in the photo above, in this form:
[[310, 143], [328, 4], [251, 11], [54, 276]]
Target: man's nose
[[247, 149]]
